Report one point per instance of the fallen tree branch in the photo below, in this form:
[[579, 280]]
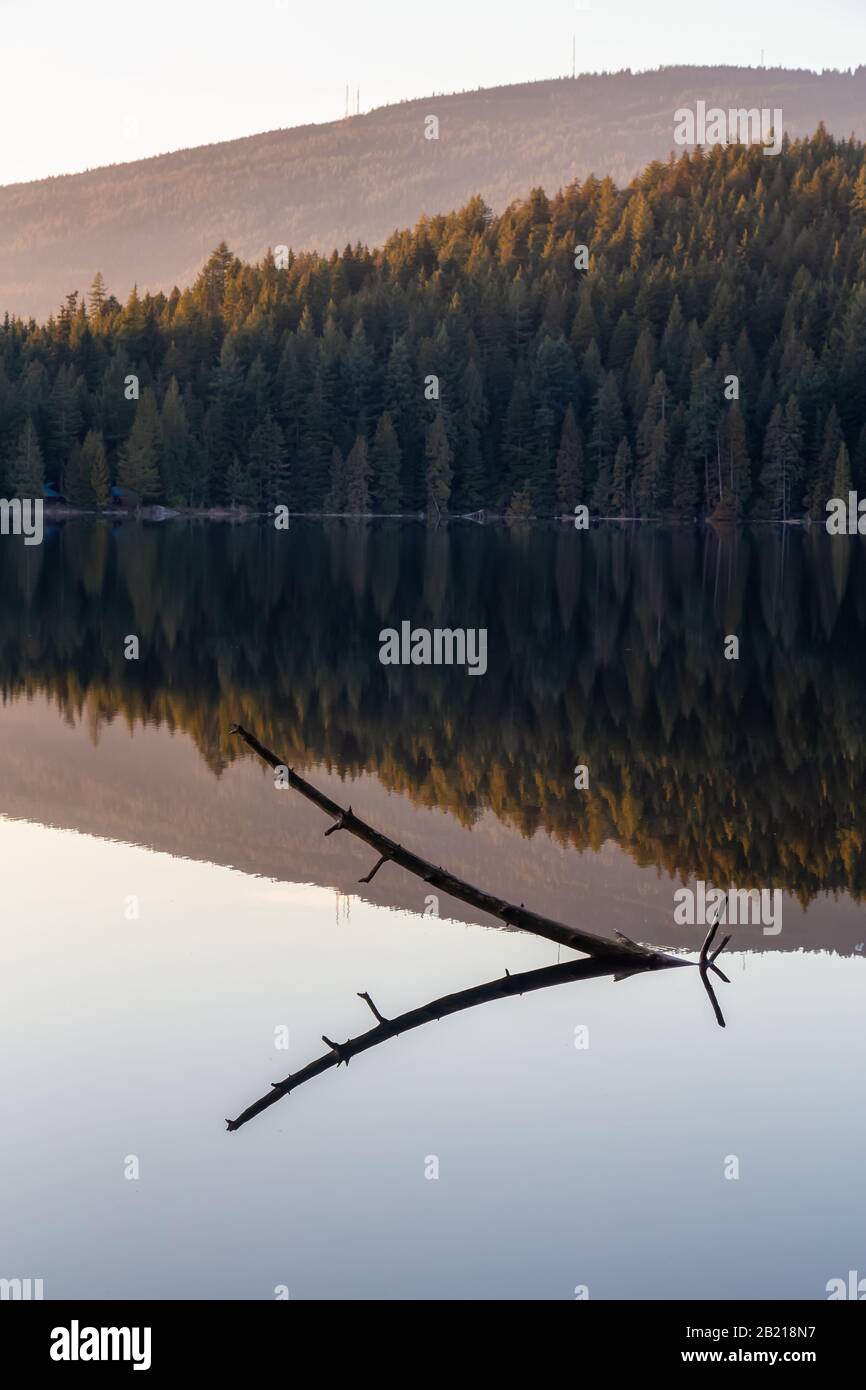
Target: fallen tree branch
[[620, 958], [343, 818]]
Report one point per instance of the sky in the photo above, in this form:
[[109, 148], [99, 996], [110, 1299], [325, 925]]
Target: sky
[[99, 83]]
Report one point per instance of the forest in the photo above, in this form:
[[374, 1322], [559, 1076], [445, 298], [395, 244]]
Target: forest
[[468, 364]]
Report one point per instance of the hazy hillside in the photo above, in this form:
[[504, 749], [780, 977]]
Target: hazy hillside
[[318, 187]]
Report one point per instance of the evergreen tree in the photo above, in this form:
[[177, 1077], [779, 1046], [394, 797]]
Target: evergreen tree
[[386, 463], [622, 484], [782, 467], [400, 403], [65, 415], [242, 490], [77, 487], [701, 430], [138, 468], [842, 474], [569, 465], [95, 466], [175, 453], [439, 471], [735, 464], [607, 430], [361, 365], [357, 478], [97, 297], [336, 497], [684, 492], [517, 436], [267, 466], [472, 423], [28, 474], [653, 483], [519, 509], [825, 466]]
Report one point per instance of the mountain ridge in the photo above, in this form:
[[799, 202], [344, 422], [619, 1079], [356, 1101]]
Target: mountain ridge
[[153, 221]]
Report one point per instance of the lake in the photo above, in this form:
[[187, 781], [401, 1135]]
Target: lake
[[178, 932]]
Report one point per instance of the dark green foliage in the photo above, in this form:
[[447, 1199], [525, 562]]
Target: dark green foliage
[[569, 466], [27, 472], [439, 470], [357, 478], [94, 468], [386, 466], [305, 385]]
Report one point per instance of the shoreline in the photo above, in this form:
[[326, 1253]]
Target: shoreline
[[243, 516]]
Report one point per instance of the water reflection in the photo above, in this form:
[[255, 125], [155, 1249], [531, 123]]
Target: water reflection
[[620, 958], [604, 648]]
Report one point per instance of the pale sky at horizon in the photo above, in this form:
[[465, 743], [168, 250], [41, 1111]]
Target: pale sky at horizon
[[98, 83]]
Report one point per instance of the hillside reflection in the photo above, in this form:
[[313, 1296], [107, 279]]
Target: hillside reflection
[[604, 648]]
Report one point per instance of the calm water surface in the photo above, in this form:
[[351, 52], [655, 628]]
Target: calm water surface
[[167, 914]]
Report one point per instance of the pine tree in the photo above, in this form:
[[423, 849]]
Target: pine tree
[[361, 364], [213, 282], [517, 437], [607, 430], [674, 341], [472, 422], [842, 474], [782, 461], [267, 467], [96, 298], [585, 328], [794, 457], [653, 482], [640, 374], [400, 403], [701, 430], [95, 465], [65, 415], [336, 498], [357, 476], [622, 483], [735, 463], [138, 468], [386, 461], [569, 465], [28, 473], [824, 466], [519, 509], [77, 487], [317, 441], [241, 489], [684, 493], [174, 459], [601, 489], [439, 470]]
